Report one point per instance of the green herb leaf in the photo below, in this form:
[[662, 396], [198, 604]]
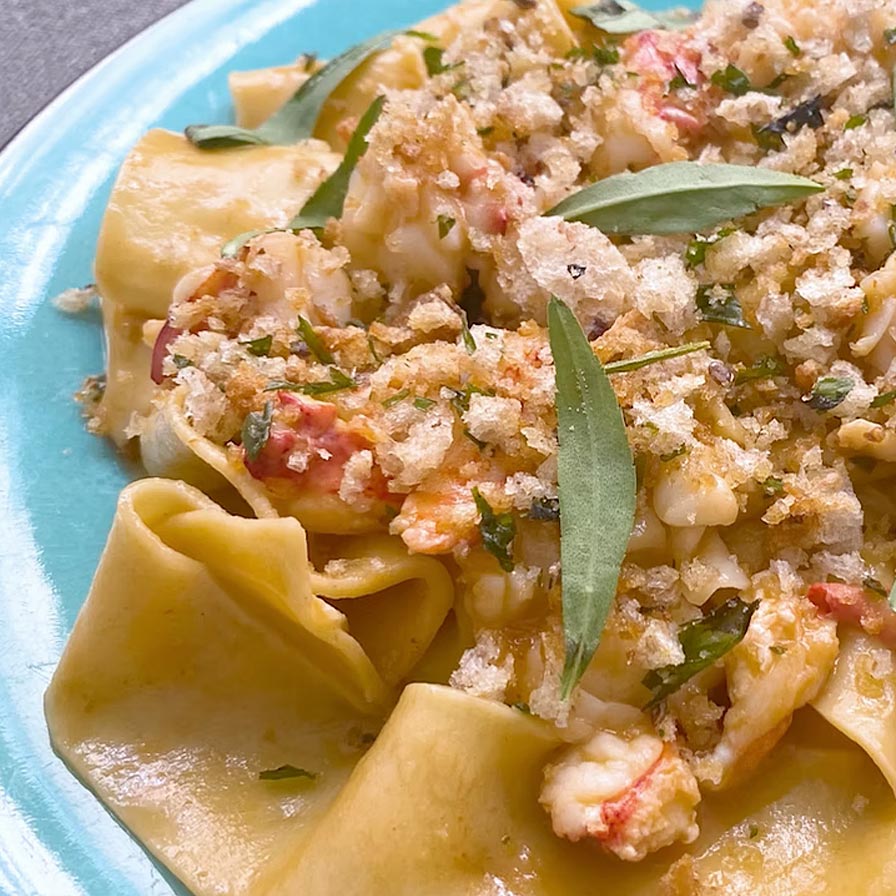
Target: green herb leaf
[[232, 247], [597, 490], [260, 347], [856, 121], [871, 584], [181, 361], [891, 600], [890, 36], [545, 510], [497, 530], [396, 398], [843, 174], [297, 119], [257, 431], [762, 369], [773, 486], [671, 455], [606, 55], [435, 64], [284, 772], [681, 197], [719, 304], [446, 225], [884, 399], [329, 198], [617, 16], [423, 404], [664, 354], [680, 80], [771, 135], [703, 641], [422, 35], [338, 382], [828, 392], [461, 397], [792, 46], [733, 80], [469, 341], [313, 341], [695, 254]]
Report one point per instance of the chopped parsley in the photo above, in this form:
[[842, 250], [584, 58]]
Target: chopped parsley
[[423, 404], [469, 341], [446, 225], [772, 486], [313, 341], [180, 362], [260, 347], [680, 80], [695, 254], [856, 121], [435, 64], [497, 530], [829, 392], [843, 174], [337, 382], [792, 46], [719, 304], [884, 399], [771, 136], [257, 430], [396, 398], [733, 80], [765, 368], [460, 398], [608, 55], [890, 36]]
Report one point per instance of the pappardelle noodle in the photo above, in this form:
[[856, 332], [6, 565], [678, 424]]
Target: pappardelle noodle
[[518, 393]]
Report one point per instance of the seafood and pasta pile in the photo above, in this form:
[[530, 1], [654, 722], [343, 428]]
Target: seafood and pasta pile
[[520, 395]]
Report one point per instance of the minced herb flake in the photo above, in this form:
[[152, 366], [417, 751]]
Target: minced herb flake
[[497, 530], [828, 392]]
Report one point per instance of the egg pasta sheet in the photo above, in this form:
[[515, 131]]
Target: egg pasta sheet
[[330, 646]]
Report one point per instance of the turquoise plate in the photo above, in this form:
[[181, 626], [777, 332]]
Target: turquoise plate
[[58, 485]]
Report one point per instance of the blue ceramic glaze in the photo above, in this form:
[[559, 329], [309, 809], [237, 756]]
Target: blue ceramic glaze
[[58, 485]]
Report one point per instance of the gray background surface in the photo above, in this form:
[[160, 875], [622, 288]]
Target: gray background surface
[[47, 44]]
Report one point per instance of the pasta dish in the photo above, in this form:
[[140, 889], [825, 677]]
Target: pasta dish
[[517, 395]]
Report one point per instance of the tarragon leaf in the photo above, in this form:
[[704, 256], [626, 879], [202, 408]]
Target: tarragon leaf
[[329, 198], [297, 119], [703, 641], [681, 197], [260, 347], [597, 490]]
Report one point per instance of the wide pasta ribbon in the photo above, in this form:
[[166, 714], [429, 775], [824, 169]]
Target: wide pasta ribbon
[[201, 659]]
